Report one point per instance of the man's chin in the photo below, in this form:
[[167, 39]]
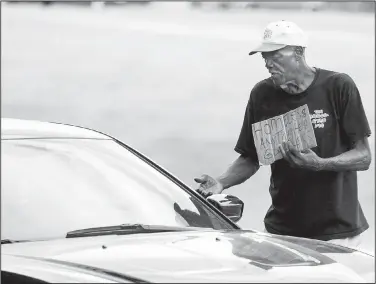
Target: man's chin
[[276, 82]]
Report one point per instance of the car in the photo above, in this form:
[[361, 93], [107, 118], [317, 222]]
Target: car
[[81, 206]]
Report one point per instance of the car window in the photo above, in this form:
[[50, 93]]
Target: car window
[[52, 186]]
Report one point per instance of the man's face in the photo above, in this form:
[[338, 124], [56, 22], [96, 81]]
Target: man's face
[[281, 64]]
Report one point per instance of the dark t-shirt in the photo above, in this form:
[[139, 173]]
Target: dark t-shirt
[[322, 205]]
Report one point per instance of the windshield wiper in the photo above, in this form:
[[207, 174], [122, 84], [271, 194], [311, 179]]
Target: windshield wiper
[[126, 229]]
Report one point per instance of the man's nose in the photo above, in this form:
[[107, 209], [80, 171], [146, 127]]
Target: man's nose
[[268, 63]]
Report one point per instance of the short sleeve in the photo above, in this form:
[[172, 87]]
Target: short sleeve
[[246, 145], [353, 118]]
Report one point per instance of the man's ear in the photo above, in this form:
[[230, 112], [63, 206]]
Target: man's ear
[[299, 52]]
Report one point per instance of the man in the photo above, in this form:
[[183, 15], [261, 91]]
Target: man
[[314, 192]]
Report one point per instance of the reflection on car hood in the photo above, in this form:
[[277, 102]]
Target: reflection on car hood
[[207, 256]]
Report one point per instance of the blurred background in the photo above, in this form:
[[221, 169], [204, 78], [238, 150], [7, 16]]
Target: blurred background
[[172, 79]]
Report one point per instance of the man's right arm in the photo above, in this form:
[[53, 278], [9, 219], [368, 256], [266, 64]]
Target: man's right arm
[[238, 172]]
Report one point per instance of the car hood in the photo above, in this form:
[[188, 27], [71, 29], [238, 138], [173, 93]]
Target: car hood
[[205, 256]]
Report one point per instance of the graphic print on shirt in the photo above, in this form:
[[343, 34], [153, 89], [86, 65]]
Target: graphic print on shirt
[[318, 118]]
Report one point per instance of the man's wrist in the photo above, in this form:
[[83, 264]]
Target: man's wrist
[[323, 164], [221, 181]]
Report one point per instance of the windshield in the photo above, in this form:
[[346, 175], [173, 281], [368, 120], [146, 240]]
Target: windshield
[[52, 186]]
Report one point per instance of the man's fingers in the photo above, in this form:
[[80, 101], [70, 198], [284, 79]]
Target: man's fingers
[[202, 179], [282, 150], [307, 151], [198, 180], [286, 153], [207, 185], [203, 193], [292, 151], [207, 194], [200, 191], [294, 156], [290, 147], [291, 158], [286, 147]]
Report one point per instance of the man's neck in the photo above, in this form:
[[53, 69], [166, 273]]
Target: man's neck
[[303, 79]]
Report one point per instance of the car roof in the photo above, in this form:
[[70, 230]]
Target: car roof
[[12, 128]]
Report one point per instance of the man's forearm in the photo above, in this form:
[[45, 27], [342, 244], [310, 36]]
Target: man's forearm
[[239, 171], [352, 160]]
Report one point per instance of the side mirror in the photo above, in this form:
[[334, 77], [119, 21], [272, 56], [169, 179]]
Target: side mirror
[[229, 205]]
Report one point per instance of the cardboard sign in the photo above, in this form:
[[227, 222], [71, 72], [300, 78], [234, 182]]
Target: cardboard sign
[[294, 126]]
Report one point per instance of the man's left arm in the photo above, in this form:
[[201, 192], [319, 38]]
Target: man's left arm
[[357, 159]]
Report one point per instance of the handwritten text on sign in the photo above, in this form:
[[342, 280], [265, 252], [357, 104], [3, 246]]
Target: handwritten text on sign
[[294, 126]]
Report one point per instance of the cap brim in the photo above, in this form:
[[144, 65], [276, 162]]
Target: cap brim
[[267, 47]]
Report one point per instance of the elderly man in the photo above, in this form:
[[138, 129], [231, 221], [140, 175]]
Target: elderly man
[[314, 192]]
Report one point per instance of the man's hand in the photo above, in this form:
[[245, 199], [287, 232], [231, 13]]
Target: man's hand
[[208, 185], [306, 159]]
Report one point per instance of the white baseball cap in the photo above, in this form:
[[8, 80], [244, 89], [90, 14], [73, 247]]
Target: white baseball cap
[[279, 34]]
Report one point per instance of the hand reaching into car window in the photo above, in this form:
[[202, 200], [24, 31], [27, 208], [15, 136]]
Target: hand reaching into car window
[[208, 185]]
